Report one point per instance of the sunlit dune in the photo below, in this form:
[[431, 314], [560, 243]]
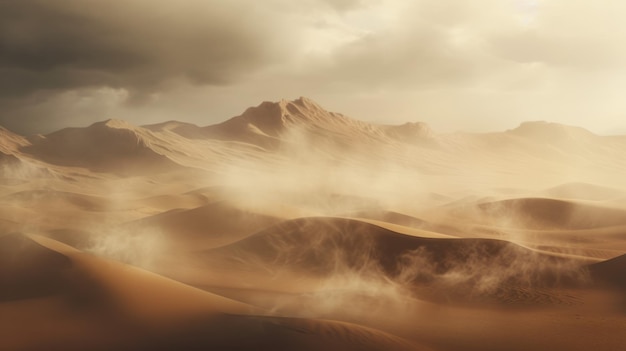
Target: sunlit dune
[[290, 227]]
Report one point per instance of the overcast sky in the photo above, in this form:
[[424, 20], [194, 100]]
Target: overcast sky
[[479, 65]]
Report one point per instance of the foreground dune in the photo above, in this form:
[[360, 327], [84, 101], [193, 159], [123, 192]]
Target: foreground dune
[[293, 228], [103, 305], [463, 270]]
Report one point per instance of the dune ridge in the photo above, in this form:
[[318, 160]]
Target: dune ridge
[[107, 298], [290, 227], [323, 247]]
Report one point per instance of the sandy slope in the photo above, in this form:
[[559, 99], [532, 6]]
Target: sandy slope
[[111, 145], [210, 225], [293, 228], [99, 304]]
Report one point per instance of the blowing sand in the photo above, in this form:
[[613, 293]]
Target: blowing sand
[[294, 228]]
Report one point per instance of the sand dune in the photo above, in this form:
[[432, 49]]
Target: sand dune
[[104, 305], [35, 198], [210, 225], [552, 132], [545, 213], [611, 271], [8, 159], [290, 227], [323, 247], [407, 221], [28, 270], [584, 191], [9, 141]]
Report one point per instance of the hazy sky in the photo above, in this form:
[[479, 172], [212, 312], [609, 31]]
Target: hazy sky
[[477, 65]]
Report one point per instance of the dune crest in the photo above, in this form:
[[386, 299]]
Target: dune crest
[[290, 227]]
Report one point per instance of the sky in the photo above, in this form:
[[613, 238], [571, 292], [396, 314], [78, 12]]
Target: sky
[[480, 65]]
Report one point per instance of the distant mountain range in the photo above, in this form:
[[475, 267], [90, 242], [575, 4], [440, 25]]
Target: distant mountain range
[[287, 130]]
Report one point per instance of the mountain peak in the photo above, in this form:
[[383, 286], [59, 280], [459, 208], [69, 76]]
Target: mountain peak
[[550, 131], [113, 123], [288, 107], [273, 117], [267, 123], [301, 102]]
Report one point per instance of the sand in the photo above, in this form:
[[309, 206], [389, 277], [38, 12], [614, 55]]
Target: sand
[[294, 228]]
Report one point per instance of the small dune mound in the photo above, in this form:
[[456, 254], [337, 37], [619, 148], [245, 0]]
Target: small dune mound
[[404, 220], [322, 247], [418, 133], [109, 146], [612, 272], [29, 270], [552, 133], [390, 217], [8, 159], [584, 191], [49, 198], [211, 224], [545, 213]]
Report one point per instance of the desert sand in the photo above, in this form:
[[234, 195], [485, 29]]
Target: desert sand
[[293, 228]]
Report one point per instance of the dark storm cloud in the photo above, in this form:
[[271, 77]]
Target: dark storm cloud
[[73, 62], [134, 44], [51, 46]]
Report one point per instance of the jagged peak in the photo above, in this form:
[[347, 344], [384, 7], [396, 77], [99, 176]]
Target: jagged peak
[[113, 123], [299, 106], [170, 125], [303, 102], [272, 117]]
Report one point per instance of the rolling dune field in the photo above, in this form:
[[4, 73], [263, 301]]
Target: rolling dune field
[[293, 228]]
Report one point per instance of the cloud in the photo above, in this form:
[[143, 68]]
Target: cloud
[[68, 61], [413, 45], [52, 47], [574, 34], [136, 44]]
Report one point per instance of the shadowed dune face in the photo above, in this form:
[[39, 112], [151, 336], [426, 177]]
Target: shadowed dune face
[[118, 307], [611, 272], [8, 160], [584, 191], [329, 248], [542, 213], [293, 228], [29, 270], [213, 224]]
